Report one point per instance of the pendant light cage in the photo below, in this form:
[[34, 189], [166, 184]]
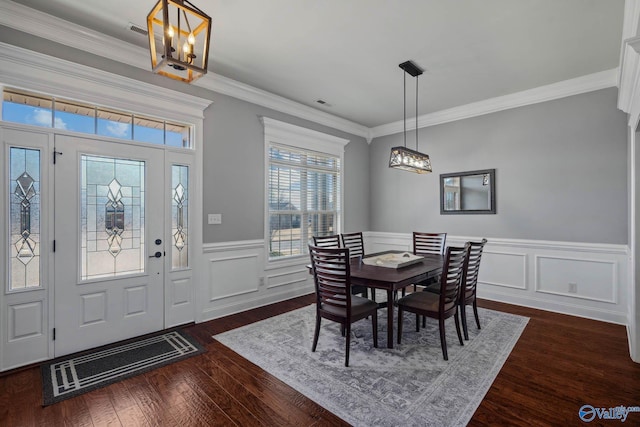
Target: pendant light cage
[[184, 31]]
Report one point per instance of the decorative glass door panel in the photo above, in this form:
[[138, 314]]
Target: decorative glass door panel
[[24, 218], [112, 217], [179, 216]]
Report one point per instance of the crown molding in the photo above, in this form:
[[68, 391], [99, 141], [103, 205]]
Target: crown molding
[[630, 81], [629, 76], [40, 24], [235, 89], [630, 20], [22, 68], [588, 83]]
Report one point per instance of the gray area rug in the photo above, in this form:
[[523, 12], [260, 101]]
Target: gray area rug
[[409, 385]]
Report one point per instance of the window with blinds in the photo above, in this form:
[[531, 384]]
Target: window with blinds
[[303, 197]]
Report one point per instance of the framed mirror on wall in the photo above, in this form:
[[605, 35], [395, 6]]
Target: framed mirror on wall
[[472, 192]]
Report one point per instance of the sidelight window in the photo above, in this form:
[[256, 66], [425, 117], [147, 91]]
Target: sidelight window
[[180, 216], [24, 218]]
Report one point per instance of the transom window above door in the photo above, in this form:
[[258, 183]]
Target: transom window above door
[[42, 110]]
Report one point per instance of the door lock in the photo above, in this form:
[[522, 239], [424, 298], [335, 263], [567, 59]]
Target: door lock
[[158, 242], [156, 255]]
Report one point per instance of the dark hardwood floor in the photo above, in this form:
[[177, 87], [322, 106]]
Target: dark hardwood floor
[[559, 364]]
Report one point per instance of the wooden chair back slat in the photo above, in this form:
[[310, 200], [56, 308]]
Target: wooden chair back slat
[[354, 242], [429, 243], [332, 241], [452, 273]]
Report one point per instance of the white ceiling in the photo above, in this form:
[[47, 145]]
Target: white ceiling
[[346, 52]]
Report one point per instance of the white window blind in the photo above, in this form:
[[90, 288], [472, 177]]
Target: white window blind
[[303, 197]]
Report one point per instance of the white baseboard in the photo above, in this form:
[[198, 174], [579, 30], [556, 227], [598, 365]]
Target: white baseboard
[[556, 307]]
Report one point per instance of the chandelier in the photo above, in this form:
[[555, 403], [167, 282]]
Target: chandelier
[[402, 157], [185, 31]]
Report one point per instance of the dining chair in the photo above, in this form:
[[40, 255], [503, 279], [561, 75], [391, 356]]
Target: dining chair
[[355, 243], [334, 300], [333, 241], [441, 306], [424, 244], [470, 283]]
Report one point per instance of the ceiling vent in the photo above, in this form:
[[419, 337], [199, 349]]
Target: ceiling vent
[[137, 29]]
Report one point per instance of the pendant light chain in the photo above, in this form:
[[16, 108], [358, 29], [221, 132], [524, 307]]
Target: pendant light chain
[[404, 106], [417, 78]]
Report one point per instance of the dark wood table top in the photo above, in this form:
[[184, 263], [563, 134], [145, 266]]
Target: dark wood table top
[[395, 278]]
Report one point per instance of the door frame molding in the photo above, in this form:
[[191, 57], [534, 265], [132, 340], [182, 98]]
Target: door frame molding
[[29, 70]]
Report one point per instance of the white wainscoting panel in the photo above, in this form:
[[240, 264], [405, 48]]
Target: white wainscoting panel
[[233, 275], [238, 278], [295, 277], [537, 273], [530, 273], [592, 279], [504, 269]]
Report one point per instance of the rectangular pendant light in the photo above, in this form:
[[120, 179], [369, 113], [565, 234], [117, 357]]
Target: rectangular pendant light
[[409, 160], [404, 158]]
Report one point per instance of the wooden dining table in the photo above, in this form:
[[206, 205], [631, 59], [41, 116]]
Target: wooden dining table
[[393, 279]]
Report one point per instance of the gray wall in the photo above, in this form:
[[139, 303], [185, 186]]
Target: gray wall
[[561, 173], [232, 131], [235, 189]]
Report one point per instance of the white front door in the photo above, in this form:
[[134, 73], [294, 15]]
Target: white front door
[[109, 242]]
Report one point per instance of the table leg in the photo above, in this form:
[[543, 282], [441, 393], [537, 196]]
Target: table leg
[[390, 318]]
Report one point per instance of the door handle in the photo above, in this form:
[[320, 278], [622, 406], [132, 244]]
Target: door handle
[[156, 255]]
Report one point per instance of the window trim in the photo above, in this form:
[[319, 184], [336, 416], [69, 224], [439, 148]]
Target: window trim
[[282, 133]]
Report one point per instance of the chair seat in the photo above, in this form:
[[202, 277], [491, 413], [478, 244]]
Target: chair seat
[[435, 289], [359, 307], [422, 302]]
